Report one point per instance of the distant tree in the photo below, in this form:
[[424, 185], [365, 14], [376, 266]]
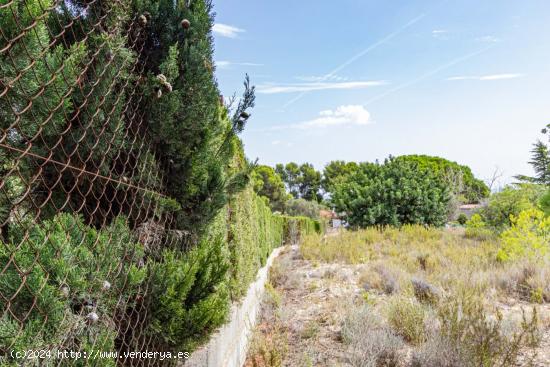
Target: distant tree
[[290, 173], [302, 181], [309, 183], [393, 193], [512, 200], [303, 208], [269, 184], [541, 163], [540, 160], [336, 170]]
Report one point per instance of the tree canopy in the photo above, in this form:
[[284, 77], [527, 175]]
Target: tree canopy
[[268, 184], [459, 178], [302, 181], [393, 193]]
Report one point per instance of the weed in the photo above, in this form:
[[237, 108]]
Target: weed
[[407, 318], [371, 342], [481, 336], [310, 330]]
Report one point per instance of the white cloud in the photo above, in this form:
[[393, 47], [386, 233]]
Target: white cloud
[[490, 77], [488, 39], [281, 143], [309, 87], [501, 76], [322, 78], [441, 34], [224, 64], [342, 116], [225, 30]]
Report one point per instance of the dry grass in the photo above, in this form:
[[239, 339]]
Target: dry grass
[[437, 291], [409, 297], [407, 317], [371, 342], [444, 260]]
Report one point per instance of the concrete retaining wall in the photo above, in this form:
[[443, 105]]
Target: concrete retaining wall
[[228, 346]]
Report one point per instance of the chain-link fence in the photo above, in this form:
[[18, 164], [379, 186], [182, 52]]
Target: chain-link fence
[[82, 207]]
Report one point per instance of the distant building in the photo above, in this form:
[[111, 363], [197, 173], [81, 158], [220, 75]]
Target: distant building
[[331, 217], [469, 209]]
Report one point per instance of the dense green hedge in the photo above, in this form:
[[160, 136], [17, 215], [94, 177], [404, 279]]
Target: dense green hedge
[[254, 231], [71, 298], [86, 273]]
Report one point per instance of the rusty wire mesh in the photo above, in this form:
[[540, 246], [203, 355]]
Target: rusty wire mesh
[[81, 198]]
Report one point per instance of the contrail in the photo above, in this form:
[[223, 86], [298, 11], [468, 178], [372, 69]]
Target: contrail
[[361, 54], [428, 74]]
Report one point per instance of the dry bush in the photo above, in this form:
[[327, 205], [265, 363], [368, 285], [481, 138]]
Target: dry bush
[[481, 336], [528, 281], [371, 342], [310, 330], [407, 318], [269, 343], [424, 291], [268, 348], [279, 271], [345, 248], [438, 352], [381, 277]]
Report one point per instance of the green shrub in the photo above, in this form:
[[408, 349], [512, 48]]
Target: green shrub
[[190, 298], [393, 193], [406, 317], [253, 232], [511, 201], [72, 271], [544, 203], [476, 228], [371, 342], [462, 219], [528, 237], [303, 208]]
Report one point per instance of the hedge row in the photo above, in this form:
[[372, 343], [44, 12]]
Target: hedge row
[[88, 279], [253, 232]]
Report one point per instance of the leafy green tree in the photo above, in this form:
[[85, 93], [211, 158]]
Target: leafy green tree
[[459, 178], [302, 181], [309, 183], [290, 173], [334, 171], [511, 201], [541, 163], [394, 193], [195, 134], [269, 184]]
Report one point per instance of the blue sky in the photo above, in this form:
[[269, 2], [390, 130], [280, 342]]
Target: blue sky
[[360, 80]]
